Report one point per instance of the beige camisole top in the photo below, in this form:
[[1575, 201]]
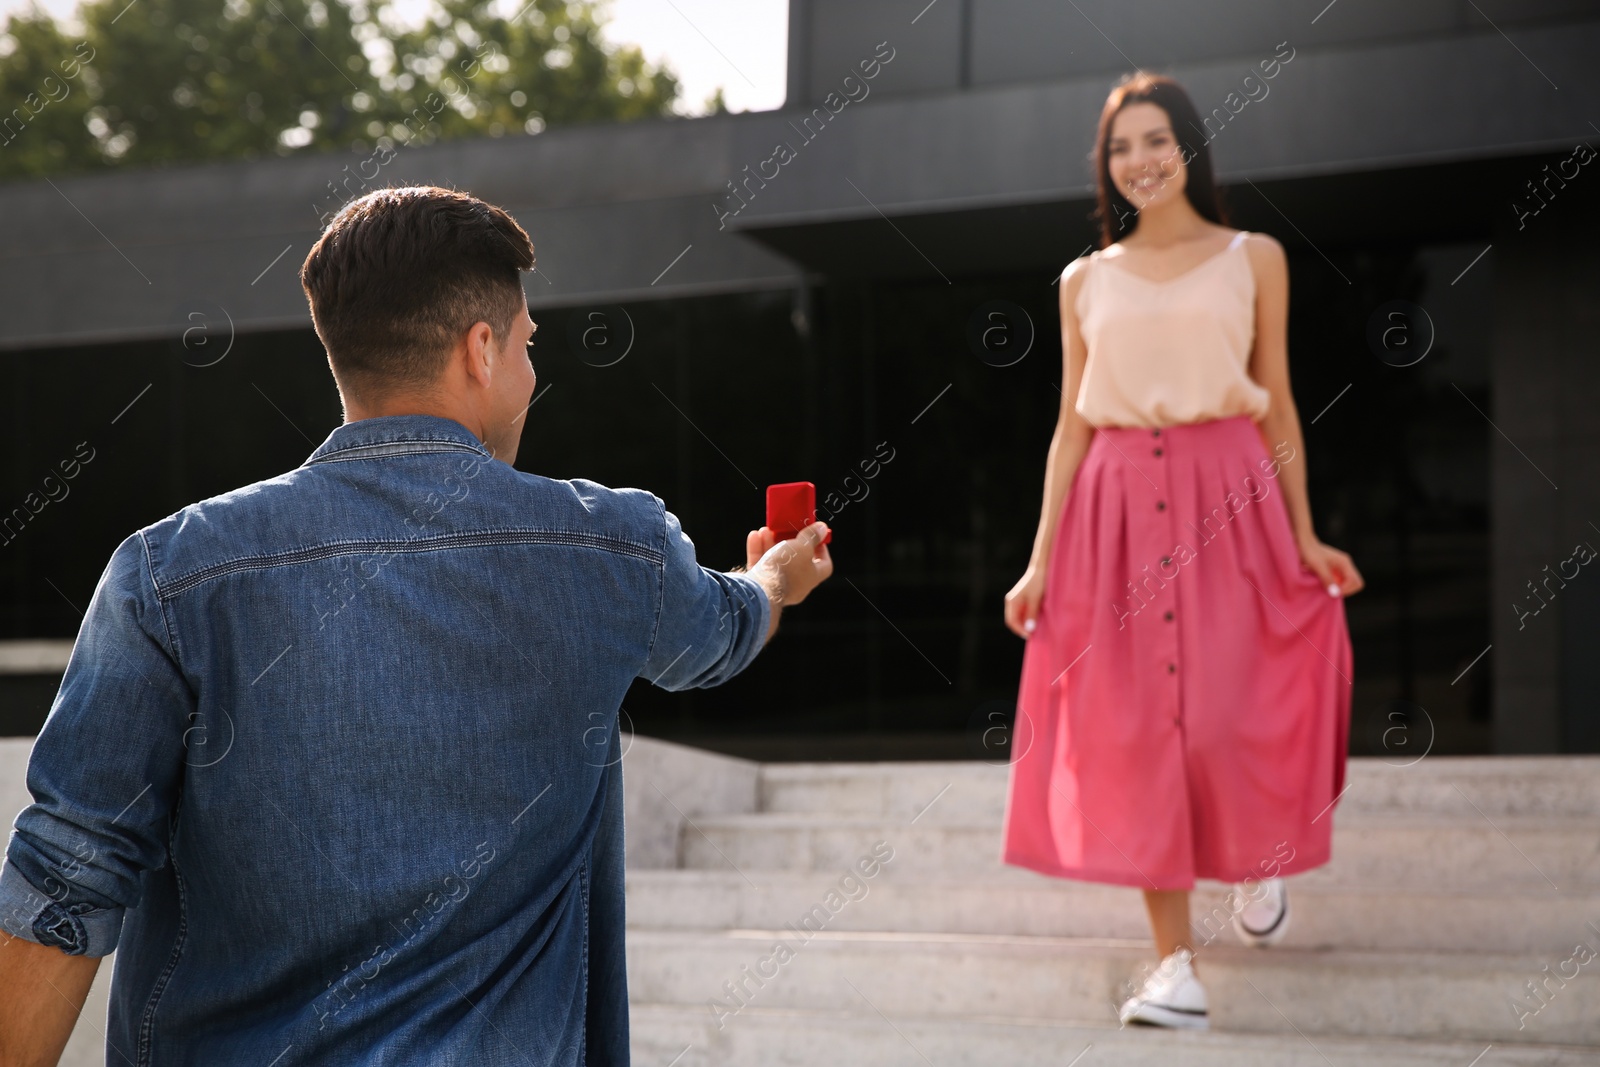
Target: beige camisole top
[[1173, 351]]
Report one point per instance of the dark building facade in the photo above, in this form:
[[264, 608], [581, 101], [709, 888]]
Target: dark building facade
[[857, 290]]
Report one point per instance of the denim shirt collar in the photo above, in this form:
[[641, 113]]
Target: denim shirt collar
[[391, 435]]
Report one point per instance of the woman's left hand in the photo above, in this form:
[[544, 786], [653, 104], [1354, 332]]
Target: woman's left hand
[[1335, 568]]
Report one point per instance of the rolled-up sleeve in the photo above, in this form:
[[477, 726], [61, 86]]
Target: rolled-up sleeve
[[105, 771], [709, 625]]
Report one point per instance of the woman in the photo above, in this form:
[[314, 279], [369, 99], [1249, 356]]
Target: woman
[[1184, 704]]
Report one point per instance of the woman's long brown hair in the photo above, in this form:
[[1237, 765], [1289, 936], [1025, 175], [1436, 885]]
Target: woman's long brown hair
[[1117, 215]]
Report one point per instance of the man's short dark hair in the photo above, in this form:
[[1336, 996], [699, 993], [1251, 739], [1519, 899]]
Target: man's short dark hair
[[400, 274]]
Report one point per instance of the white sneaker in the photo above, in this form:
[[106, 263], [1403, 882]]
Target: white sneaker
[[1261, 918], [1170, 996]]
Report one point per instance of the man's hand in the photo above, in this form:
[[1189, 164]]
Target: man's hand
[[42, 990], [756, 544], [788, 570]]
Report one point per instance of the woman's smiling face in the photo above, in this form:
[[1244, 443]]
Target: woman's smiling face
[[1143, 156]]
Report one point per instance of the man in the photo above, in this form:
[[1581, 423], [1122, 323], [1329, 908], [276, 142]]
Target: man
[[335, 762]]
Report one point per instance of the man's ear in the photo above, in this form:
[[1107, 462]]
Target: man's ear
[[482, 353]]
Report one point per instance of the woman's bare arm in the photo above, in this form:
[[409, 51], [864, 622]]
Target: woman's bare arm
[[1072, 434], [1269, 365]]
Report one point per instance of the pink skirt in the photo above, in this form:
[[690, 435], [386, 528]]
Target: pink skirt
[[1184, 707]]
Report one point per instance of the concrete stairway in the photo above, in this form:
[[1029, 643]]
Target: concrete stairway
[[1446, 932], [1447, 929]]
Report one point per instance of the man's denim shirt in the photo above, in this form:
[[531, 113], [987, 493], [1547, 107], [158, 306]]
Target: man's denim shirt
[[336, 768]]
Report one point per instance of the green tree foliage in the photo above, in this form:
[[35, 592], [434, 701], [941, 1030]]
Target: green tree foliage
[[172, 81], [43, 86]]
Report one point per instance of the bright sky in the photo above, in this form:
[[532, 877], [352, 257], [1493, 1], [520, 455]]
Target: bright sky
[[737, 44], [740, 45]]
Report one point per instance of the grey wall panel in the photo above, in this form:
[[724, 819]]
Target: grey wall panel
[[1522, 12], [139, 254], [135, 254], [844, 32], [1328, 110], [1011, 41], [1020, 40], [643, 249]]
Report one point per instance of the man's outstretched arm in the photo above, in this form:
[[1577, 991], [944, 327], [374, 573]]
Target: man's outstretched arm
[[42, 990], [787, 570], [711, 624]]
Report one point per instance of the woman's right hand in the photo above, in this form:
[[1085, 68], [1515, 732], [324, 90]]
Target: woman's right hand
[[1022, 603]]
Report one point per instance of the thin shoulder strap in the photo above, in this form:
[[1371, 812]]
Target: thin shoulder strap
[[1238, 239]]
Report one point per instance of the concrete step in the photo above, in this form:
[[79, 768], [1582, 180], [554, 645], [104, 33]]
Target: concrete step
[[1323, 913], [1560, 854], [967, 790], [668, 1034], [1411, 995]]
